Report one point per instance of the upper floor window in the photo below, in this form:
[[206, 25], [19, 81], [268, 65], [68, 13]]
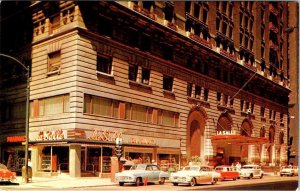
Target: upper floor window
[[168, 83], [50, 106], [104, 64], [145, 75], [100, 106], [135, 71], [54, 61], [189, 89], [54, 23], [132, 73], [197, 92], [262, 111], [205, 96]]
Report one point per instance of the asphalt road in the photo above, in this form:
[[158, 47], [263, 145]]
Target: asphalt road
[[267, 183]]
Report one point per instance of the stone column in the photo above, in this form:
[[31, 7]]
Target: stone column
[[74, 160], [35, 159]]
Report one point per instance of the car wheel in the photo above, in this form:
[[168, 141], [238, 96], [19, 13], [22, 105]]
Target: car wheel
[[214, 181], [162, 181], [261, 176], [138, 181], [193, 182], [121, 183], [251, 176], [175, 184]]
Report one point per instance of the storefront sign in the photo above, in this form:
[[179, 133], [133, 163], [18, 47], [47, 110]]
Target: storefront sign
[[232, 132], [105, 135], [142, 141], [14, 139], [50, 135]]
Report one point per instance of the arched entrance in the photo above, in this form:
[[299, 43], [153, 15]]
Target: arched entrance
[[195, 132], [246, 130], [224, 151], [271, 141]]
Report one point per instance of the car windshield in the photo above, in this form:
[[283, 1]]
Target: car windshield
[[191, 168], [138, 167], [247, 167]]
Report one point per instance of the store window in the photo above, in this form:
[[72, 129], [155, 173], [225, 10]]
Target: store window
[[168, 162], [58, 161], [54, 61]]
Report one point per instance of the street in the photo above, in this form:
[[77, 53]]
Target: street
[[267, 183]]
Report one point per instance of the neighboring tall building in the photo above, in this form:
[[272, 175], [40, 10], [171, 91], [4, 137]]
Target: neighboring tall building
[[16, 37], [174, 80], [293, 65]]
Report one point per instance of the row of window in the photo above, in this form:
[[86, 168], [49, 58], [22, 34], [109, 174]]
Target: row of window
[[113, 108]]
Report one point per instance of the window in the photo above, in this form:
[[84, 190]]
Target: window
[[139, 113], [196, 10], [101, 106], [225, 100], [262, 52], [252, 107], [274, 115], [224, 28], [205, 96], [54, 61], [270, 114], [52, 105], [187, 6], [168, 83], [218, 97], [262, 132], [145, 75], [224, 7], [218, 24], [281, 117], [204, 19], [242, 105], [189, 89], [197, 92], [262, 111], [231, 102], [241, 18], [132, 72], [104, 64], [54, 23], [168, 118]]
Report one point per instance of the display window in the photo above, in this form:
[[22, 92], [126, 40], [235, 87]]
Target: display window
[[168, 162]]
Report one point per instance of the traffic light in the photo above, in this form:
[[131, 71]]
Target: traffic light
[[119, 150]]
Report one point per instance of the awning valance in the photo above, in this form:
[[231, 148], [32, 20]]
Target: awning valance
[[239, 140]]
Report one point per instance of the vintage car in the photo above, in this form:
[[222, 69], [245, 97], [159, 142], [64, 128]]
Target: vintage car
[[6, 175], [251, 170], [227, 172], [289, 170], [139, 173], [195, 174]]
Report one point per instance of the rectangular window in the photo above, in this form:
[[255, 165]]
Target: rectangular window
[[218, 97], [54, 23], [128, 111], [247, 106], [189, 89], [31, 110], [54, 60], [242, 105], [270, 114], [149, 114], [54, 105], [281, 117], [225, 100], [159, 117], [204, 16], [168, 83], [224, 28], [197, 92], [132, 72], [145, 75], [205, 97], [252, 108], [139, 113], [168, 118], [262, 111], [274, 115], [87, 104], [231, 102], [104, 64], [218, 24], [115, 109], [196, 10]]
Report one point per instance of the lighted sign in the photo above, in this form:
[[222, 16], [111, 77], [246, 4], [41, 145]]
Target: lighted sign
[[232, 132], [14, 139], [51, 135], [105, 135], [144, 141]]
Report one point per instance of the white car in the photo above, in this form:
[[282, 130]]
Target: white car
[[140, 173], [289, 171], [251, 170], [195, 174]]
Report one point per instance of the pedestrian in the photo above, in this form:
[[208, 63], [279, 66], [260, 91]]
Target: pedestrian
[[238, 165]]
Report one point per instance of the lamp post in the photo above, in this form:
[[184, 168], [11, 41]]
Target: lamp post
[[119, 150], [27, 112]]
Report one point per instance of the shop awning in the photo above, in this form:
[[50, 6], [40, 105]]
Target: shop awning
[[239, 140]]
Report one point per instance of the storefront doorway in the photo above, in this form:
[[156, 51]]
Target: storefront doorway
[[54, 159]]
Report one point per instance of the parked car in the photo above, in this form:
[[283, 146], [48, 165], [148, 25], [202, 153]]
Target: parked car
[[251, 170], [195, 174], [227, 172], [6, 175], [139, 173], [289, 170]]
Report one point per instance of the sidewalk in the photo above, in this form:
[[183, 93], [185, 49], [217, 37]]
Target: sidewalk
[[63, 182]]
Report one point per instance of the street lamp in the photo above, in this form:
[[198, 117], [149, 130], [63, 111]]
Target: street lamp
[[27, 113], [119, 150]]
